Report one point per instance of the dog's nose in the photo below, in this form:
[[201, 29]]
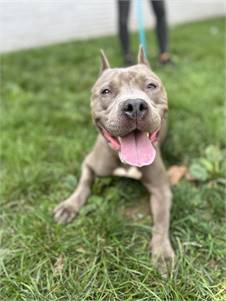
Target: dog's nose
[[135, 108]]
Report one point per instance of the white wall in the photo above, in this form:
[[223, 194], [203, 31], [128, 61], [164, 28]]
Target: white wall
[[30, 23]]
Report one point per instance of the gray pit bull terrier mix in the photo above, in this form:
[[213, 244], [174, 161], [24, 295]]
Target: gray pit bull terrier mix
[[128, 107]]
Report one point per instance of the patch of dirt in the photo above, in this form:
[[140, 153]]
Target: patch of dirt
[[213, 264], [139, 210], [58, 265]]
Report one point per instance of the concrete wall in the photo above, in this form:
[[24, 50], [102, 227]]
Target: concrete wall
[[30, 23]]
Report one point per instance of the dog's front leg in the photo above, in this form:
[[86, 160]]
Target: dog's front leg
[[102, 161], [156, 181], [67, 209]]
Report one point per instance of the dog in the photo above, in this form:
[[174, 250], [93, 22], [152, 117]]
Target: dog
[[129, 108]]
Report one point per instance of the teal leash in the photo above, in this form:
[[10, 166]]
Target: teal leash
[[140, 22]]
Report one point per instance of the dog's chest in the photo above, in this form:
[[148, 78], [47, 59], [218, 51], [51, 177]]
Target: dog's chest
[[128, 172]]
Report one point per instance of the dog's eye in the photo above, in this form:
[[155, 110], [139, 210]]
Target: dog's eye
[[151, 86], [105, 91]]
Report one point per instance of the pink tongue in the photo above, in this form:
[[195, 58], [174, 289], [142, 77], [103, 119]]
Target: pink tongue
[[137, 149]]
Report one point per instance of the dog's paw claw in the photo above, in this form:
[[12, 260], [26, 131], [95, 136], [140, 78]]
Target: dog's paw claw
[[64, 213], [163, 257]]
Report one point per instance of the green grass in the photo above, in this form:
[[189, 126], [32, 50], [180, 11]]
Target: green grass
[[46, 130]]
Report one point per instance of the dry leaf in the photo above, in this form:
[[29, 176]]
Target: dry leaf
[[59, 265], [176, 173], [81, 250]]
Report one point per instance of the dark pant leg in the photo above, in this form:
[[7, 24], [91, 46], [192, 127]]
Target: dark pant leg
[[161, 24], [123, 13]]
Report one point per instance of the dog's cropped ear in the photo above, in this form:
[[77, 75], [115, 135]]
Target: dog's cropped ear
[[141, 59], [104, 61]]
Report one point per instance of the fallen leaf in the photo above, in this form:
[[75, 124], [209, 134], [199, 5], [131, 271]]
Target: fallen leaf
[[58, 265], [81, 250], [176, 173]]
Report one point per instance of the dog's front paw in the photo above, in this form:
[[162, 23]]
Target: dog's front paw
[[64, 212], [163, 256]]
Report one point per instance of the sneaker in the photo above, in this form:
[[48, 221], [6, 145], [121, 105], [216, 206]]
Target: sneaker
[[165, 58]]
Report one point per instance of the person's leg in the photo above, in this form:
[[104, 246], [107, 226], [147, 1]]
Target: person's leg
[[123, 14], [161, 29]]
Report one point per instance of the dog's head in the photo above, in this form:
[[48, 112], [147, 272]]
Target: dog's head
[[128, 105]]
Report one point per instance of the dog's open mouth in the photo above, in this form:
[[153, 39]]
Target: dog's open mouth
[[136, 148]]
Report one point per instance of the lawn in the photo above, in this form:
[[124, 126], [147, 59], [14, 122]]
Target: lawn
[[46, 131]]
